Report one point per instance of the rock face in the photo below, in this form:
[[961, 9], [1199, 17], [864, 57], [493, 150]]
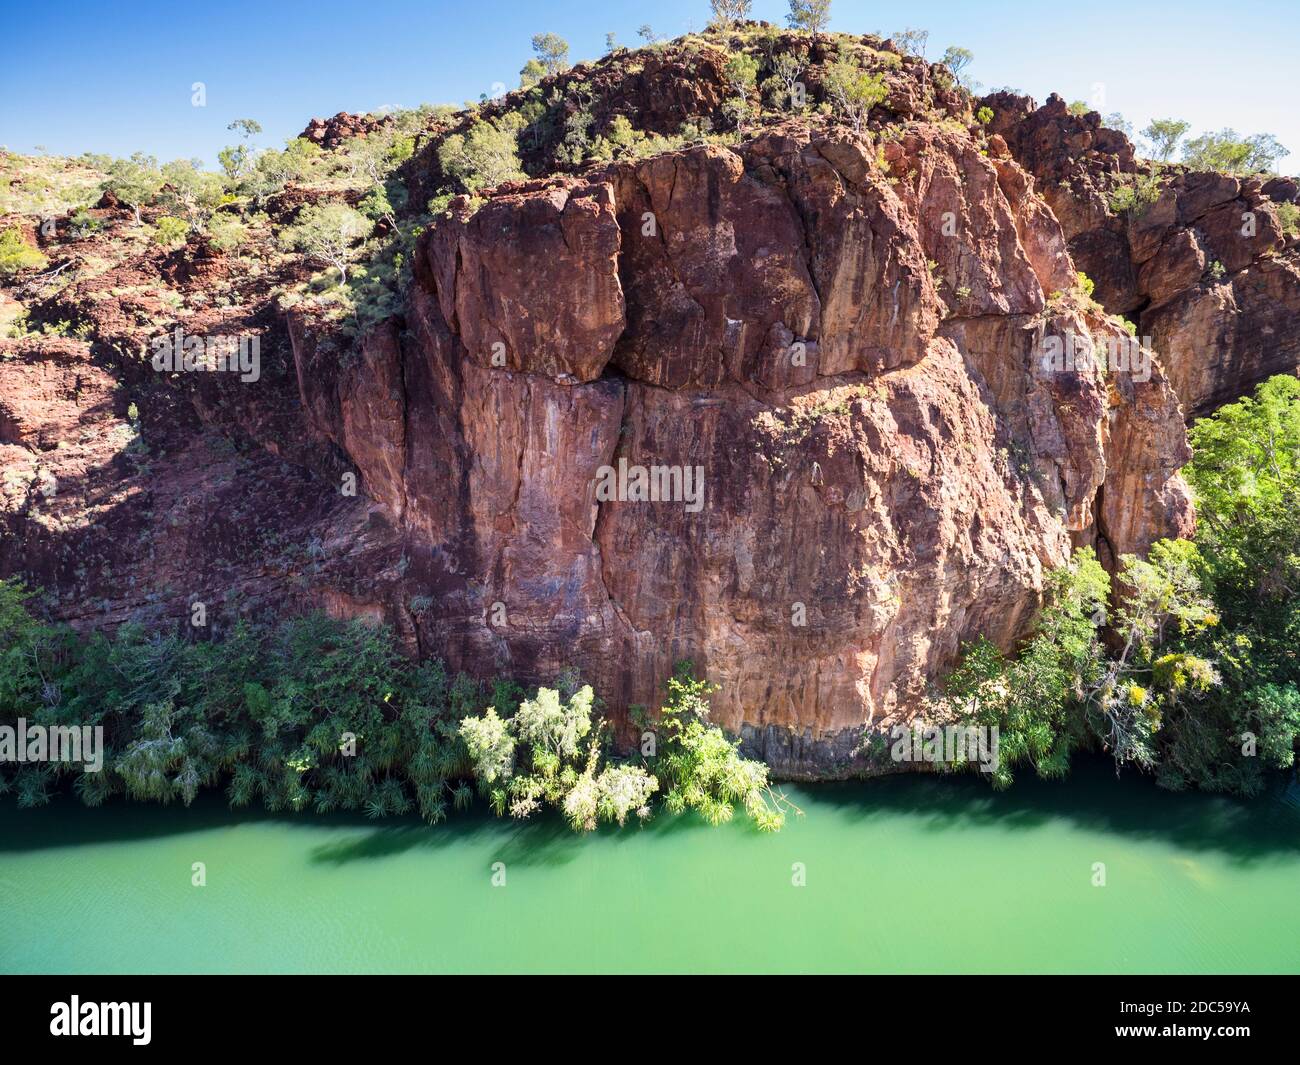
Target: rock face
[[559, 316], [116, 533], [833, 361], [332, 132], [811, 410], [1204, 271]]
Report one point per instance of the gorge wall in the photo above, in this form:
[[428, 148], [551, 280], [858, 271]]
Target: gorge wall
[[842, 333], [888, 470]]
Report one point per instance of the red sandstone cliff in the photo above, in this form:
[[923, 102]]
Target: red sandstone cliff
[[844, 334]]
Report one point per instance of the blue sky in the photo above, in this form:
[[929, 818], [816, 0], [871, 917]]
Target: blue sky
[[89, 76]]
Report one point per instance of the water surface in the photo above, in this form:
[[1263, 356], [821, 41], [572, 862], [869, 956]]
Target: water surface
[[902, 875]]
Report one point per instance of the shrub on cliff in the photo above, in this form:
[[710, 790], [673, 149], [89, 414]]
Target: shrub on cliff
[[1067, 689], [1029, 697], [327, 234], [16, 255], [482, 158], [1135, 193], [812, 16], [1288, 216], [1227, 152], [135, 182], [169, 232], [853, 92], [1198, 680], [226, 233]]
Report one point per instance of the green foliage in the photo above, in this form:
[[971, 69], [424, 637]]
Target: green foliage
[[226, 232], [782, 87], [622, 140], [957, 59], [272, 170], [16, 255], [1029, 698], [84, 224], [491, 747], [311, 714], [1163, 134], [542, 756], [811, 16], [1134, 193], [700, 769], [135, 181], [552, 52], [1246, 476], [482, 158], [379, 153], [1160, 603], [1288, 216], [1066, 688], [191, 192], [1227, 152], [852, 91], [741, 71], [43, 186], [548, 754], [327, 234], [168, 232], [984, 116], [532, 72], [236, 160], [1199, 677]]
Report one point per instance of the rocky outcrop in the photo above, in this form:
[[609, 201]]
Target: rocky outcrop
[[1203, 269], [811, 410], [837, 356], [331, 133]]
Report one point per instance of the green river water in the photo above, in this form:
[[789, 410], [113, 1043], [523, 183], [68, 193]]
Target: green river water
[[902, 875]]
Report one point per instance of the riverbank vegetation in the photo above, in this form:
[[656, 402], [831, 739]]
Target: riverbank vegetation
[[1185, 663], [325, 715]]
